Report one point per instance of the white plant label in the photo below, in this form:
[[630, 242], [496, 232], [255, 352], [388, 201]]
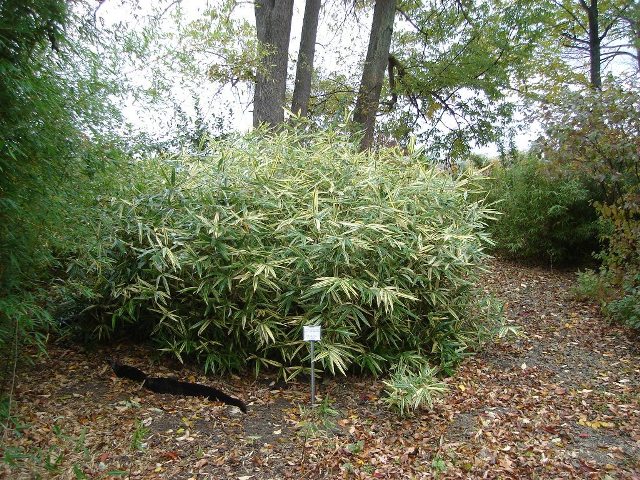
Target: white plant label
[[311, 333]]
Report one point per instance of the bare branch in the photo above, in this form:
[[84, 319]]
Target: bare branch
[[574, 38]]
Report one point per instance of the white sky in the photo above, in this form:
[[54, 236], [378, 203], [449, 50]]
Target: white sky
[[355, 36]]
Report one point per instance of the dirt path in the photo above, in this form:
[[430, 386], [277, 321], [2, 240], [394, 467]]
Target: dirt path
[[563, 401]]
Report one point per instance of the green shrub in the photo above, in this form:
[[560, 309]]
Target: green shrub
[[596, 134], [34, 130], [223, 259], [626, 307], [589, 286], [621, 257], [544, 216], [409, 389], [620, 304], [54, 115]]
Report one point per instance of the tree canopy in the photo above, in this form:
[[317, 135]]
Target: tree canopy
[[457, 74]]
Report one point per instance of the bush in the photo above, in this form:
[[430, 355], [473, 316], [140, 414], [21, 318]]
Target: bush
[[597, 134], [626, 308], [224, 259], [407, 390], [589, 286], [54, 114], [29, 95], [544, 216], [621, 258]]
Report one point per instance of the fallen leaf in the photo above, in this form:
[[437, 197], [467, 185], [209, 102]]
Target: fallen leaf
[[103, 457], [172, 455]]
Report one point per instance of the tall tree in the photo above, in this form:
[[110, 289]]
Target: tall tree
[[304, 69], [374, 69], [591, 9], [273, 28], [585, 35], [632, 17], [596, 29], [454, 69]]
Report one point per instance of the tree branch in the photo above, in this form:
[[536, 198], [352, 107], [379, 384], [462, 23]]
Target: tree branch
[[412, 22], [571, 14], [574, 38], [464, 13]]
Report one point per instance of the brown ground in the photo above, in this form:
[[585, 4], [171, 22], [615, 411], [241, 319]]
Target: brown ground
[[561, 402]]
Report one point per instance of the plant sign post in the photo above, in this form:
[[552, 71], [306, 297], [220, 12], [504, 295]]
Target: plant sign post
[[311, 333]]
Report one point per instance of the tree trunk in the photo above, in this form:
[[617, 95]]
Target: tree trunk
[[273, 27], [374, 69], [636, 29], [304, 70], [594, 43]]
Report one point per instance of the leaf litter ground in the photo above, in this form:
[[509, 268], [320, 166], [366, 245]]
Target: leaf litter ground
[[563, 401]]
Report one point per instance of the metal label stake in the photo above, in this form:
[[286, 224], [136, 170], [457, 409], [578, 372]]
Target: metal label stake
[[312, 333]]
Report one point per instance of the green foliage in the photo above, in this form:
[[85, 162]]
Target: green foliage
[[439, 465], [620, 303], [544, 216], [223, 259], [23, 322], [24, 162], [621, 258], [29, 99], [596, 134], [139, 436], [589, 286], [409, 389], [626, 308], [53, 105], [355, 448], [318, 420], [53, 145], [458, 63]]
